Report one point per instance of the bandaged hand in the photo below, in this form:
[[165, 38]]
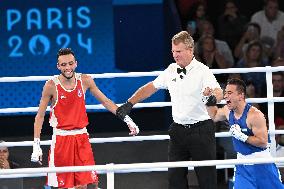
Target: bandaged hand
[[134, 130], [237, 133], [124, 110], [37, 152]]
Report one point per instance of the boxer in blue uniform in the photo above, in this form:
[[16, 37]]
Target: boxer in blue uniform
[[250, 138]]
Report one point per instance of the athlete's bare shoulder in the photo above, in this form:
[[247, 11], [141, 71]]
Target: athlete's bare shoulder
[[255, 114], [87, 81], [86, 77], [49, 86], [255, 111]]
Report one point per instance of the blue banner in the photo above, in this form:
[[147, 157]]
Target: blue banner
[[32, 31]]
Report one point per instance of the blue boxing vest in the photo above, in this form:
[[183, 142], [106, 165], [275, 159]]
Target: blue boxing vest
[[242, 147]]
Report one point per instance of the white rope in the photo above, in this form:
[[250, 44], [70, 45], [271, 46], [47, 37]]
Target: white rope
[[144, 74], [103, 75], [139, 74], [139, 105], [104, 172], [140, 166], [88, 107], [121, 139]]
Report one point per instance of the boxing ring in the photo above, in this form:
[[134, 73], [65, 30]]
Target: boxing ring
[[111, 169]]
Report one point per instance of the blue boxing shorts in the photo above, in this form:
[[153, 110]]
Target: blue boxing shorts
[[258, 176]]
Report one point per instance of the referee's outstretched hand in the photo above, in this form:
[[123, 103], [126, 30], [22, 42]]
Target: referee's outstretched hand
[[124, 110]]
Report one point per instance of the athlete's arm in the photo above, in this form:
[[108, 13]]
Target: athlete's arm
[[142, 93], [107, 103], [218, 114], [218, 93], [89, 83], [257, 122], [47, 92], [215, 113], [46, 96]]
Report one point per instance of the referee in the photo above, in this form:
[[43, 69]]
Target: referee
[[192, 134]]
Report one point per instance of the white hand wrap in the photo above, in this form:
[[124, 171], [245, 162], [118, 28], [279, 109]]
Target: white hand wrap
[[237, 133], [37, 152], [134, 130]]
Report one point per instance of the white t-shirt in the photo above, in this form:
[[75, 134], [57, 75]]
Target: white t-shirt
[[268, 29], [186, 93]]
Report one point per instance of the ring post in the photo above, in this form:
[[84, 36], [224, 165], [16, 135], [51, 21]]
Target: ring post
[[110, 176]]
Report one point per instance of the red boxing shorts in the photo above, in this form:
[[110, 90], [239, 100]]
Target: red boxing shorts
[[71, 150]]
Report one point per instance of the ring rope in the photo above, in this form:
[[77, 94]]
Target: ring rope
[[139, 105], [105, 172], [122, 139], [141, 166], [143, 74]]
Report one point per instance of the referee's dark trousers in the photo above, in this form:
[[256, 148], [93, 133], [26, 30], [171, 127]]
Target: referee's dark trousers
[[197, 142]]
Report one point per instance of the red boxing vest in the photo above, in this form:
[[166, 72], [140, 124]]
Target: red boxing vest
[[69, 111]]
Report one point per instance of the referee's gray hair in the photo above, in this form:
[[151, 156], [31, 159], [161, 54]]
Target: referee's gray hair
[[183, 37]]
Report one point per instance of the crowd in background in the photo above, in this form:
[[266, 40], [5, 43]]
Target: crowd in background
[[237, 40], [234, 39]]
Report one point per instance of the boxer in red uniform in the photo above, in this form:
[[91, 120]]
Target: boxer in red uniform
[[68, 117]]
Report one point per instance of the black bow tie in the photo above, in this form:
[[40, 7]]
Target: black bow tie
[[179, 70]]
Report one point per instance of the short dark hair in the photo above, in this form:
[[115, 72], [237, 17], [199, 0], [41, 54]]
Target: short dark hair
[[253, 24], [241, 86], [65, 51], [265, 2]]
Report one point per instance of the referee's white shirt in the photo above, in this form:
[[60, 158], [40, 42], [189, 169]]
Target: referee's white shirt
[[186, 93]]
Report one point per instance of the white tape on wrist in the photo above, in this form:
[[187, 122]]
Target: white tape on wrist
[[37, 152], [131, 124]]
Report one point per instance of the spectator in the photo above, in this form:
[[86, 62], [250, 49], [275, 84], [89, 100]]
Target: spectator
[[208, 54], [270, 19], [252, 33], [278, 62], [278, 91], [206, 28], [184, 7], [197, 14], [231, 24], [253, 57], [5, 162], [277, 81], [268, 48], [279, 46], [251, 92]]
